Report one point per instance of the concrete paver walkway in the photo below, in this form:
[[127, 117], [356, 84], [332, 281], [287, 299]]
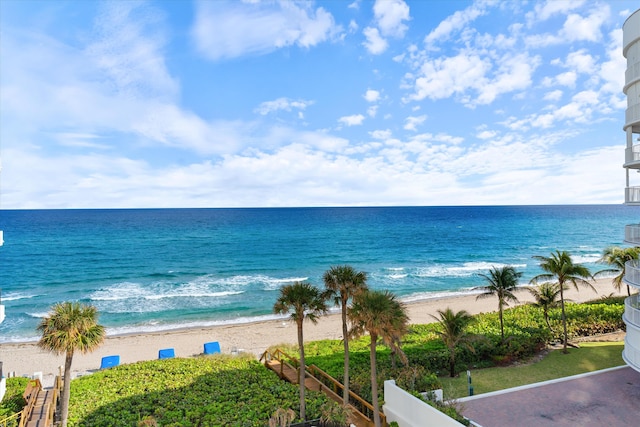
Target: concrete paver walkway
[[609, 398]]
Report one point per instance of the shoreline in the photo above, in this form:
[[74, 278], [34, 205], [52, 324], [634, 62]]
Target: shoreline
[[25, 358]]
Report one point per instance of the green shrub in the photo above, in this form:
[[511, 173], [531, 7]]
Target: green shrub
[[180, 392], [13, 402]]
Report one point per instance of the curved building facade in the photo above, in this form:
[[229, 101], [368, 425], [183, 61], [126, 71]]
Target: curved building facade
[[631, 51]]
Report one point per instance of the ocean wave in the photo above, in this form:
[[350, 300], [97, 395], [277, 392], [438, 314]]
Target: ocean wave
[[465, 270], [194, 295], [15, 297], [158, 327], [38, 315], [423, 296], [397, 276], [586, 258]]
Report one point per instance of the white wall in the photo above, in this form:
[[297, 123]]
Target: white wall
[[409, 411]]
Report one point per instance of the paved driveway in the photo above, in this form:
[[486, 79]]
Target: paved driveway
[[609, 398]]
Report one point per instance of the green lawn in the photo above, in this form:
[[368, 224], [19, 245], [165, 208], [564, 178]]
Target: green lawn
[[589, 357]]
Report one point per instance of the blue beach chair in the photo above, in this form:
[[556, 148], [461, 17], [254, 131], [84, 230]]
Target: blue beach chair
[[212, 347], [110, 362], [166, 353]]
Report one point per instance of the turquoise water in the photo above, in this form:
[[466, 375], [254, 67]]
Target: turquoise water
[[154, 269]]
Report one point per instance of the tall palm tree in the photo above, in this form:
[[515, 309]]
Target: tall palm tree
[[453, 333], [303, 301], [546, 295], [502, 282], [617, 258], [560, 266], [381, 315], [70, 327], [343, 282]]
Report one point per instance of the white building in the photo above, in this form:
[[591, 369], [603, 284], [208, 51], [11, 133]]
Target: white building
[[631, 51]]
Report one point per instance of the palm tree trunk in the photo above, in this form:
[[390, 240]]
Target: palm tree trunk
[[564, 319], [301, 372], [546, 319], [374, 382], [452, 362], [501, 321], [66, 388], [345, 339]]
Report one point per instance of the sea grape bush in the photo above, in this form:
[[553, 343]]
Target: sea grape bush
[[205, 391], [13, 402]]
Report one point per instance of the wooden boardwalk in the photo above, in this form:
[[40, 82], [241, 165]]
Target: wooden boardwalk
[[290, 374], [39, 414]]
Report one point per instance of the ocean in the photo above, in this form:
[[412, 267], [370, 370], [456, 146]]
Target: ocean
[[158, 269]]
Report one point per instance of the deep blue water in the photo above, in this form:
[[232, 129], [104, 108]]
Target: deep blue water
[[150, 269]]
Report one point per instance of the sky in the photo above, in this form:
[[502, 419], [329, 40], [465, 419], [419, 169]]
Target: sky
[[153, 104]]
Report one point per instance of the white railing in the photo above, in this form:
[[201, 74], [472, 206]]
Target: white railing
[[632, 115], [632, 311], [632, 154], [407, 410], [631, 355], [632, 234], [632, 73], [632, 195], [632, 273]]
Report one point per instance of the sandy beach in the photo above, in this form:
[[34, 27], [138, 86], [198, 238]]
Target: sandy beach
[[27, 358]]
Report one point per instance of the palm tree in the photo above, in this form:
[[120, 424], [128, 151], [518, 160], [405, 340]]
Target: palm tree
[[343, 283], [617, 258], [70, 327], [304, 301], [383, 316], [546, 295], [453, 333], [560, 266], [502, 282]]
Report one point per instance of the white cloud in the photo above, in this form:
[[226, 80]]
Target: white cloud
[[554, 95], [389, 15], [412, 122], [455, 22], [372, 95], [372, 111], [549, 8], [225, 29], [575, 28], [374, 43], [285, 104], [381, 134], [353, 120]]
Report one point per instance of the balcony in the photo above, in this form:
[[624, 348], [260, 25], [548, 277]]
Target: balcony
[[632, 157], [632, 234], [632, 273], [632, 196], [632, 311], [631, 355]]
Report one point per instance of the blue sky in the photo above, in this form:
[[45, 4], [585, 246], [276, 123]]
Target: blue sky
[[324, 103]]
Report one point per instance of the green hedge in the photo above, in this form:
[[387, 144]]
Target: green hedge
[[204, 391], [13, 402]]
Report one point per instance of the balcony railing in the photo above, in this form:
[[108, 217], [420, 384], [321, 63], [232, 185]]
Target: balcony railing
[[632, 311], [632, 115], [632, 154], [631, 355], [632, 234], [632, 273], [632, 195]]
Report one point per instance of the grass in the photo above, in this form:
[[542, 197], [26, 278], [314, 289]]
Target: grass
[[588, 358]]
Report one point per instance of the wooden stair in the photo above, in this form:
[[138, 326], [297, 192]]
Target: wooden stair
[[276, 362]]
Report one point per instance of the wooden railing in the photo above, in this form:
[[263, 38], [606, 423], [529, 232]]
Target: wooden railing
[[52, 404], [361, 405], [281, 357], [31, 396], [356, 402], [11, 421]]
